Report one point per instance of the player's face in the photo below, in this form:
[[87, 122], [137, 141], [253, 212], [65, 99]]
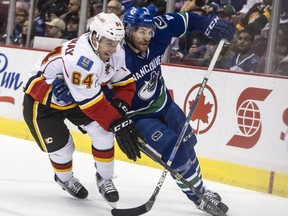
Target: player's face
[[106, 48], [141, 37]]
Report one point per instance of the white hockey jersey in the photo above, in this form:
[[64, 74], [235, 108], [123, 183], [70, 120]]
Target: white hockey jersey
[[84, 74]]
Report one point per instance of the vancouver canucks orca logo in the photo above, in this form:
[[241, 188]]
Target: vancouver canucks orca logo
[[149, 88]]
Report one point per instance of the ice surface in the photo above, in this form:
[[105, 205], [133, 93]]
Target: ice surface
[[27, 188]]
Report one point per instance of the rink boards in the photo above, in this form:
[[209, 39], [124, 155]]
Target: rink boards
[[240, 121]]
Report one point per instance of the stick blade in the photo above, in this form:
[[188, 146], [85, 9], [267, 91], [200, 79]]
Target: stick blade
[[133, 211], [130, 212]]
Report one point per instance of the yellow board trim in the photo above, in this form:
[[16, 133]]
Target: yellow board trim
[[233, 174]]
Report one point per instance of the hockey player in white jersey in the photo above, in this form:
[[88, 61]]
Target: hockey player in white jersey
[[85, 63]]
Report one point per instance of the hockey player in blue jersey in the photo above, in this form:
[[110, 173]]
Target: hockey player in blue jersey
[[156, 115], [153, 111]]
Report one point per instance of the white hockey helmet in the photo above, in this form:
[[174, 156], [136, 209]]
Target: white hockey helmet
[[106, 25]]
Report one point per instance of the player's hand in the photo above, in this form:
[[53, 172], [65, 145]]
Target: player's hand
[[126, 135], [217, 29], [61, 91]]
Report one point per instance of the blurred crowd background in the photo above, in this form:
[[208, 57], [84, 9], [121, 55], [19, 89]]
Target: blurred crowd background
[[260, 44]]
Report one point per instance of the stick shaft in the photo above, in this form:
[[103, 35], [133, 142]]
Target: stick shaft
[[192, 109]]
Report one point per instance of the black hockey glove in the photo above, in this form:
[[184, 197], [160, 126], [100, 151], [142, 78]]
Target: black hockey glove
[[61, 91], [217, 29], [126, 135], [120, 105]]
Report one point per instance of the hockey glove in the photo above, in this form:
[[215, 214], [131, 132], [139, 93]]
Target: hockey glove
[[126, 135], [121, 106], [217, 29], [61, 91]]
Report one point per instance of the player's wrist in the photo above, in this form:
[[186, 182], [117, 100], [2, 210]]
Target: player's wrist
[[121, 106]]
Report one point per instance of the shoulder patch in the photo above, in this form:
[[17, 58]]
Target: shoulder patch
[[160, 22], [85, 63]]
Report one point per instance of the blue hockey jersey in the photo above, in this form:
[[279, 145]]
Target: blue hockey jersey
[[151, 93]]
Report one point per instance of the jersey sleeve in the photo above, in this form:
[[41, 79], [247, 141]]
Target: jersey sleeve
[[43, 74], [100, 110], [177, 24], [123, 82], [125, 89], [38, 88]]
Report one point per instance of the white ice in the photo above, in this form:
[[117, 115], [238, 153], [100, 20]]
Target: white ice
[[27, 188]]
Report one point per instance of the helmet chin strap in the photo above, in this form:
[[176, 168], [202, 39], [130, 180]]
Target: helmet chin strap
[[95, 48]]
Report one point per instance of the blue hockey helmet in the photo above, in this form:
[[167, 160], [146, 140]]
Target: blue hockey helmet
[[138, 17]]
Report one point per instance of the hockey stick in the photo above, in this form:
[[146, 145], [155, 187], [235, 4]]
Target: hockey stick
[[148, 205], [150, 153]]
